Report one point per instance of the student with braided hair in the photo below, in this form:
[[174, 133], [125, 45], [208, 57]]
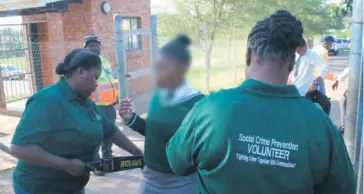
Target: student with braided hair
[[263, 137]]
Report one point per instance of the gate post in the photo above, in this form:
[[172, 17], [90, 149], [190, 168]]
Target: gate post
[[120, 55], [153, 44], [2, 91]]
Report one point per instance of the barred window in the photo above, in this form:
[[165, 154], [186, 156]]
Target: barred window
[[132, 42]]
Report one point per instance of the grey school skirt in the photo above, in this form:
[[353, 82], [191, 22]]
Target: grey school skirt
[[161, 183]]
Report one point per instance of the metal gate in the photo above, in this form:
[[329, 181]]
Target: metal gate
[[16, 70], [121, 35]]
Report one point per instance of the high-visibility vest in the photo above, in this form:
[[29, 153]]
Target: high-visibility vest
[[106, 93]]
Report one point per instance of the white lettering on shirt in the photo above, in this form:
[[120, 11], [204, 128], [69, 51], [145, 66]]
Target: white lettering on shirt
[[265, 151]]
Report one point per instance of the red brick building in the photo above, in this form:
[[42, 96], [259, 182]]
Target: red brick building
[[59, 26]]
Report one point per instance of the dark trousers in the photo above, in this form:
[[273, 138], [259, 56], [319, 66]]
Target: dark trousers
[[109, 112]]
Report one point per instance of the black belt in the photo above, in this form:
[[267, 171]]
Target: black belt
[[117, 164]]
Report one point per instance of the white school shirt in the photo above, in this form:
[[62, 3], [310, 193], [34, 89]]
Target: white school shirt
[[306, 70], [182, 93]]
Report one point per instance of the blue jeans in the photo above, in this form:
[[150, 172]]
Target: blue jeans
[[18, 190], [321, 86]]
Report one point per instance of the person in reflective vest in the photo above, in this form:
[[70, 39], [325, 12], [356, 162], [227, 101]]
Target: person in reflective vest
[[105, 95]]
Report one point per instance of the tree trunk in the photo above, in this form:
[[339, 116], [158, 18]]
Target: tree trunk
[[208, 48], [234, 54], [229, 48]]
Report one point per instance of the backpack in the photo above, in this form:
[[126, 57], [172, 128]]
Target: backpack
[[319, 99]]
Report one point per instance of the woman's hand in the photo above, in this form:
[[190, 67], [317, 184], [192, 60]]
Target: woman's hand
[[125, 109], [313, 87], [76, 167], [335, 85]]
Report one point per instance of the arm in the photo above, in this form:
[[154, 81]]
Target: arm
[[38, 157], [343, 75], [126, 144], [34, 128], [118, 137], [319, 62], [340, 176], [137, 124], [180, 148]]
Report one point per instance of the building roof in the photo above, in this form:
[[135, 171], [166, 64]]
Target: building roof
[[32, 7]]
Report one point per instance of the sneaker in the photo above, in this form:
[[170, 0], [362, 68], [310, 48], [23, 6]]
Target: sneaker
[[98, 173]]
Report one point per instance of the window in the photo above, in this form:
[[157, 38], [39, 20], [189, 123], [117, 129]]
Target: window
[[345, 41], [132, 42], [338, 41]]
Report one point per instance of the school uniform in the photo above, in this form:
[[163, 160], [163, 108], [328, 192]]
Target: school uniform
[[260, 138], [64, 125], [166, 113]]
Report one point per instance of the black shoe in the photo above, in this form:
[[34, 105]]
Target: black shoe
[[98, 173], [341, 129]]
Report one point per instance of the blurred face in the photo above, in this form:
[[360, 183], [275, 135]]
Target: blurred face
[[87, 81], [301, 50], [94, 47], [328, 45], [168, 73]]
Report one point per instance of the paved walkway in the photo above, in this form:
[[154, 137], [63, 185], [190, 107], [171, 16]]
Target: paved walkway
[[128, 182]]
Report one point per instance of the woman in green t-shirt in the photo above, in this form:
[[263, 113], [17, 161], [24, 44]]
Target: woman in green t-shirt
[[61, 129], [171, 102], [263, 137]]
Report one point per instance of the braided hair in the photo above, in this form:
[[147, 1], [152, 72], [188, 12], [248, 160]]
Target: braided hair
[[276, 38]]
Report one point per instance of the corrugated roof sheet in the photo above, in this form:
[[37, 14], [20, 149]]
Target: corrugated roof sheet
[[31, 7]]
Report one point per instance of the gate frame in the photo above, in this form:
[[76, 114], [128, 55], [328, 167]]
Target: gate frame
[[120, 52], [27, 42]]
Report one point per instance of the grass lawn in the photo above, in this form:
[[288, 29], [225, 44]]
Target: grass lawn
[[221, 72], [14, 97], [20, 62]]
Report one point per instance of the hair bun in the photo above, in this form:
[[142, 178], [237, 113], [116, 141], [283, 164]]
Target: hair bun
[[183, 39], [286, 29], [60, 70]]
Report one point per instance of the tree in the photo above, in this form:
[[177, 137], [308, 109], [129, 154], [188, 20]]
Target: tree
[[216, 15], [220, 15]]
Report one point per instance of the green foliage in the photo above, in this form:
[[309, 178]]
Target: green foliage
[[345, 8], [220, 15]]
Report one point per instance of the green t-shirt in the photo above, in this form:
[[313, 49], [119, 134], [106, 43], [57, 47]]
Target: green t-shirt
[[159, 127], [55, 119], [261, 138]]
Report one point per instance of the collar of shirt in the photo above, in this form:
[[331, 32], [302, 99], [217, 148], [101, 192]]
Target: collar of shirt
[[272, 90], [182, 93], [70, 95], [66, 89]]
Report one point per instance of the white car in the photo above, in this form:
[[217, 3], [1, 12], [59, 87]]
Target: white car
[[339, 45], [12, 72]]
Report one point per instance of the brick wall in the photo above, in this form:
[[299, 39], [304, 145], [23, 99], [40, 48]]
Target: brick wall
[[67, 29], [103, 26], [44, 54]]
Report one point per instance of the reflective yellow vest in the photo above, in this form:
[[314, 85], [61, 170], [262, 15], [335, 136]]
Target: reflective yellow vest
[[106, 93]]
